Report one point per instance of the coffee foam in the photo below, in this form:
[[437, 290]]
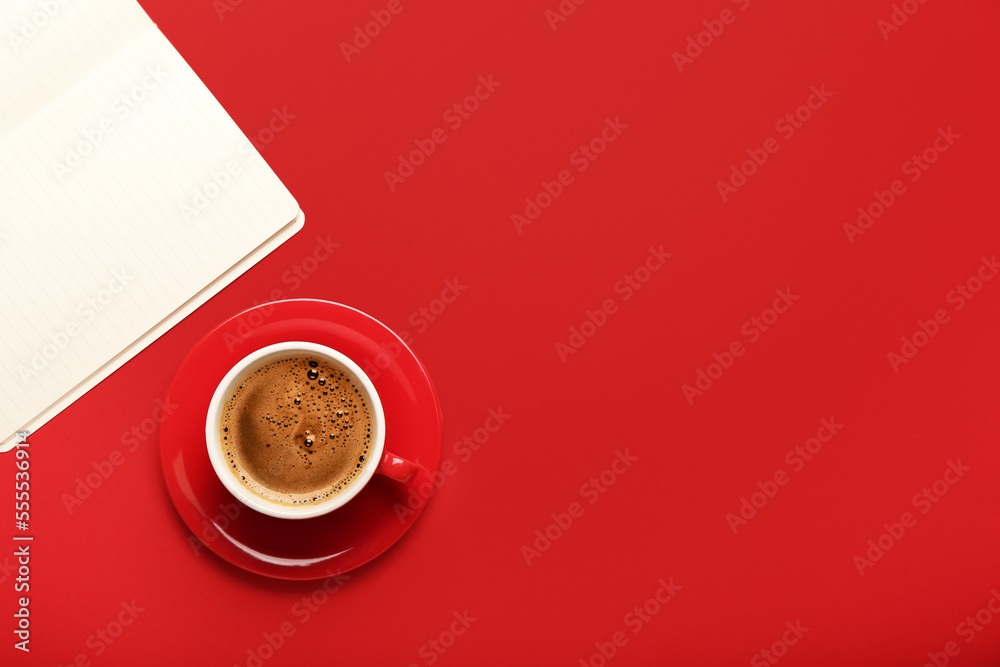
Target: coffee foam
[[297, 430]]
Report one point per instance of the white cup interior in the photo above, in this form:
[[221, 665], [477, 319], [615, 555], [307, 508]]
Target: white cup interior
[[230, 382]]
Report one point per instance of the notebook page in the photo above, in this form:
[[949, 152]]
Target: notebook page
[[122, 199], [47, 46]]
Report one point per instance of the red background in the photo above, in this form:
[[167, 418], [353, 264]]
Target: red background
[[496, 345]]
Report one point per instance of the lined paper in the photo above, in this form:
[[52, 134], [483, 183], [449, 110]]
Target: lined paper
[[128, 196]]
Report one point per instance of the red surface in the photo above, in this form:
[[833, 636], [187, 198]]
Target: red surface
[[494, 347], [335, 543]]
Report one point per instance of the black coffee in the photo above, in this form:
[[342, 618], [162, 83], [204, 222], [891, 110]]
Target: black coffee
[[297, 430]]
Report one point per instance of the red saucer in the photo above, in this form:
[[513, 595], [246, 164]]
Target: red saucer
[[347, 537]]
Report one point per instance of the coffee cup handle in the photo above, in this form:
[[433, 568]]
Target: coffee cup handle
[[397, 468]]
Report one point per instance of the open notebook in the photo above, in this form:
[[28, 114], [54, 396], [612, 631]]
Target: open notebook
[[128, 197]]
